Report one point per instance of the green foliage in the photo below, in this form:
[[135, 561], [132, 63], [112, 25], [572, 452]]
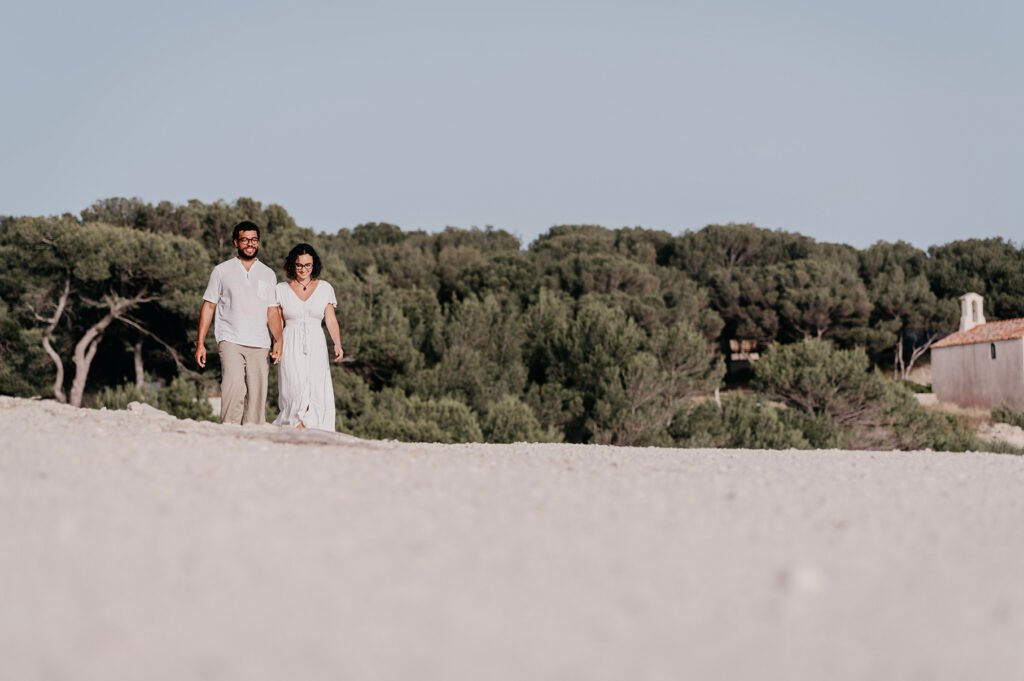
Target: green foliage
[[820, 431], [209, 225], [886, 257], [376, 331], [397, 417], [917, 428], [836, 387], [627, 269], [457, 251], [817, 378], [1004, 414], [582, 273], [120, 396], [24, 368], [184, 398], [587, 335], [740, 421], [598, 345], [747, 300], [509, 420], [353, 398], [906, 312], [625, 384], [790, 301], [992, 267], [820, 299], [751, 422], [454, 418], [72, 281], [563, 241], [938, 431], [556, 407], [734, 246], [916, 387], [378, 234], [483, 354]]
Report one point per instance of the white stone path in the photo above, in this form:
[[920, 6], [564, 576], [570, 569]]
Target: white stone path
[[135, 546]]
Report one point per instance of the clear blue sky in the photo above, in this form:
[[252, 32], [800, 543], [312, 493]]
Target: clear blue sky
[[845, 121]]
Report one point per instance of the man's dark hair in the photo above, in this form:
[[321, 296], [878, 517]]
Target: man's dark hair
[[244, 226], [293, 255]]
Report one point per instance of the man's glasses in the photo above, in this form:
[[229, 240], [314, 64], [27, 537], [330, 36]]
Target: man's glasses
[[247, 240], [301, 266]]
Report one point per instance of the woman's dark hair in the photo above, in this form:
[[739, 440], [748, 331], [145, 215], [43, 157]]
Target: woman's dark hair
[[244, 226], [293, 255]]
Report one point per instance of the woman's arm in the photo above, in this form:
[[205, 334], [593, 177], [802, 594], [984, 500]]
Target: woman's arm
[[331, 320]]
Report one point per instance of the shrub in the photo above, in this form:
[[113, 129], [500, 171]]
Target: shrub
[[394, 416], [899, 422], [915, 387], [186, 399], [741, 421], [25, 370], [380, 427], [454, 418], [820, 431], [509, 420], [818, 378], [119, 397], [908, 425], [842, 403], [352, 398], [1004, 414]]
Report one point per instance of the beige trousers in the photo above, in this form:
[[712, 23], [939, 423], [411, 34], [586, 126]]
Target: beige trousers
[[243, 388]]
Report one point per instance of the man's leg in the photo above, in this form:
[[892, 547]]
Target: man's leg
[[257, 373], [232, 384]]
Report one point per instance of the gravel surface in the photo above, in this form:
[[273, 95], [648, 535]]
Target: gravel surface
[[136, 546]]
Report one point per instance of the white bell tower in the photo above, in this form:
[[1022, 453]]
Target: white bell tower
[[972, 311]]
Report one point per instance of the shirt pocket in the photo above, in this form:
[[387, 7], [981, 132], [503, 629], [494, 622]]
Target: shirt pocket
[[265, 292]]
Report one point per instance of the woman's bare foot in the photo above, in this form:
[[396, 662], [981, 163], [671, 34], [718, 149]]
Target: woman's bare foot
[[301, 425]]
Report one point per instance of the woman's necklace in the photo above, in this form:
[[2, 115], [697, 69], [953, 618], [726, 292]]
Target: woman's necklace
[[306, 285]]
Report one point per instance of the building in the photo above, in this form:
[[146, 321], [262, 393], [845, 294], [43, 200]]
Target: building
[[982, 364], [743, 350]]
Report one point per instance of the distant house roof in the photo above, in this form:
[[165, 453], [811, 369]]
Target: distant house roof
[[1006, 329]]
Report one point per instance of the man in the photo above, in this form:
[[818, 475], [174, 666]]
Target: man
[[241, 296]]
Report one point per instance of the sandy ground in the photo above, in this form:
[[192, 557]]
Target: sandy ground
[[135, 546]]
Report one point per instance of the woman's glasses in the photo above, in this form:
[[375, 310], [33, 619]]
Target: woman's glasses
[[303, 266]]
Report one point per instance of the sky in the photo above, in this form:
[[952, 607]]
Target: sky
[[846, 121]]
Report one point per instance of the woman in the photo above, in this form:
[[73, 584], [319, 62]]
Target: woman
[[305, 393]]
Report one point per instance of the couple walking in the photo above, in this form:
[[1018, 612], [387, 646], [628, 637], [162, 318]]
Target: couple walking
[[253, 313]]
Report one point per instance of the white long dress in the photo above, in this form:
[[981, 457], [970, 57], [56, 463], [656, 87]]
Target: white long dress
[[305, 392]]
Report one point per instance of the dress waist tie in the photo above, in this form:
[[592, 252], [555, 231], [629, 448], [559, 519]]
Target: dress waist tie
[[304, 332]]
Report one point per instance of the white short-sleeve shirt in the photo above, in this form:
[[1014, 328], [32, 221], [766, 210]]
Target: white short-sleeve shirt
[[242, 298]]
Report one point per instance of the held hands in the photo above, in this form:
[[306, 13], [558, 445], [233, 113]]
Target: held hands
[[275, 353]]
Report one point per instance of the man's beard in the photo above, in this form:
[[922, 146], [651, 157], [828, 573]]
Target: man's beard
[[243, 256]]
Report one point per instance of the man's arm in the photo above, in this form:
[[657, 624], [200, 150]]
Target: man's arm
[[205, 319], [210, 298], [276, 331]]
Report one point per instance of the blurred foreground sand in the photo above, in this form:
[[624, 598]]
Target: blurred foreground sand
[[136, 546]]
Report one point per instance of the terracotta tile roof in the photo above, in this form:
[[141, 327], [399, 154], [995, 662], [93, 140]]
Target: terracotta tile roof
[[1006, 329]]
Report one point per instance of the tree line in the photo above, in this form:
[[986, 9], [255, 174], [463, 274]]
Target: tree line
[[587, 334]]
